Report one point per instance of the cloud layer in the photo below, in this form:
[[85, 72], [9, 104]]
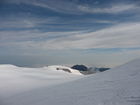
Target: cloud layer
[[79, 28], [78, 7], [118, 36]]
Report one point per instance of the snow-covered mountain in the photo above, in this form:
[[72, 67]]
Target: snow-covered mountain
[[118, 86]]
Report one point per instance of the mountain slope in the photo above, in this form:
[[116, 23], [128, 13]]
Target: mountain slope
[[15, 80], [119, 86]]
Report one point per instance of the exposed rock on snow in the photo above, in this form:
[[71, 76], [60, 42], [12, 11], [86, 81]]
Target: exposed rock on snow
[[64, 68]]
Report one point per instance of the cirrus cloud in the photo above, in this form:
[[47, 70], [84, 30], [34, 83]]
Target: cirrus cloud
[[77, 8], [124, 35], [118, 36]]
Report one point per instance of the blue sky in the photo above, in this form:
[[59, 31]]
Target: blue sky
[[91, 32]]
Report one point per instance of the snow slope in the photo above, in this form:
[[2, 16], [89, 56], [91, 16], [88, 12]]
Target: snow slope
[[15, 80], [119, 86]]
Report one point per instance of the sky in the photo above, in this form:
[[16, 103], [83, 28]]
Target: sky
[[103, 33]]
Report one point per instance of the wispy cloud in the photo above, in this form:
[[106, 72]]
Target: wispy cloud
[[71, 7], [63, 6], [24, 22], [116, 8], [52, 23], [118, 36], [30, 39]]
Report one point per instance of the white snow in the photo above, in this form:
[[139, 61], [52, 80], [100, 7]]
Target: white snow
[[15, 79], [119, 86]]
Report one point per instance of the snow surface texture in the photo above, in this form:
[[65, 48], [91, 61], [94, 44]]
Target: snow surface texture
[[119, 86], [17, 80]]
